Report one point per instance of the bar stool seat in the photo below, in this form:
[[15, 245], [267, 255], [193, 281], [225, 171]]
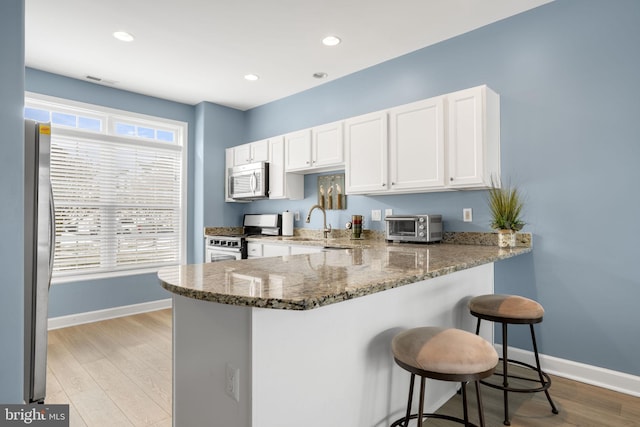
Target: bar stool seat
[[513, 309], [447, 355]]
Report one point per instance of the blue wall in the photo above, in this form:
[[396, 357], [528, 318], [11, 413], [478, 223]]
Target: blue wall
[[11, 194], [567, 73]]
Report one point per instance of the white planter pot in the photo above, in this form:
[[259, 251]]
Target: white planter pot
[[506, 238]]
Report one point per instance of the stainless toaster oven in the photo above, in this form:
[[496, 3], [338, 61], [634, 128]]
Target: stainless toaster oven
[[423, 228]]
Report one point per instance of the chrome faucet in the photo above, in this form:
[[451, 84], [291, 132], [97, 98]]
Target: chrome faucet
[[326, 229]]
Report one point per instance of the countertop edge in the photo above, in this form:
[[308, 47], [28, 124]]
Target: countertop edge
[[312, 303]]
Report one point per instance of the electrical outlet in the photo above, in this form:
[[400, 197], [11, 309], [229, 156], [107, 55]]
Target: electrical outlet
[[388, 212], [232, 382], [296, 215], [376, 215], [467, 215]]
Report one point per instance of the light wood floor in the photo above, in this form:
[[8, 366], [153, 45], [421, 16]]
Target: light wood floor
[[118, 373], [113, 373]]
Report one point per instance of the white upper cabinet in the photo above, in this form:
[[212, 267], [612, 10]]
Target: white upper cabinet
[[298, 150], [282, 185], [473, 137], [316, 149], [366, 153], [252, 152], [416, 145], [450, 142], [327, 147]]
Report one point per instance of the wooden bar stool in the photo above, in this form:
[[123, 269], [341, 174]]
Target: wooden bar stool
[[446, 355], [513, 309]]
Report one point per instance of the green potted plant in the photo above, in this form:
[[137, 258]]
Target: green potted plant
[[505, 204]]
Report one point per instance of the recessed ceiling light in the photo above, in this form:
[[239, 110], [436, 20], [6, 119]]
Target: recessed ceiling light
[[252, 77], [331, 41], [320, 75], [123, 36]]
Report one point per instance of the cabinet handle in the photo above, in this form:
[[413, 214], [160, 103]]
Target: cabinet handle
[[384, 185], [451, 179], [393, 183], [307, 162]]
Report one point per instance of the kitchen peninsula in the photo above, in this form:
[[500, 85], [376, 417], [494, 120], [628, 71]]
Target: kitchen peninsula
[[276, 342]]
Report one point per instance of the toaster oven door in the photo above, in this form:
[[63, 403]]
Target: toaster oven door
[[401, 228]]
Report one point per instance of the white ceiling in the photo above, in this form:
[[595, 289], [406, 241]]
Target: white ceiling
[[199, 50]]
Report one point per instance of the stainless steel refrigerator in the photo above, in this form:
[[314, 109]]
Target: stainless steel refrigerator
[[39, 233]]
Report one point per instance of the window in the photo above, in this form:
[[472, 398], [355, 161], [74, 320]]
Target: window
[[118, 186]]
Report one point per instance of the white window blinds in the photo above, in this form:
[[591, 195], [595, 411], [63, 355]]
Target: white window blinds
[[118, 199]]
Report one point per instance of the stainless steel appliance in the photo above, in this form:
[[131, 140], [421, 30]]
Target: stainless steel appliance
[[249, 182], [226, 247], [414, 228], [39, 235]]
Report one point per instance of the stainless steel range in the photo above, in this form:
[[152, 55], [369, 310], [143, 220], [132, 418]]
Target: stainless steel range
[[224, 248], [234, 246]]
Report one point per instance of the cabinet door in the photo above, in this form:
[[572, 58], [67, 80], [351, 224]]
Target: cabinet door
[[282, 185], [416, 145], [260, 151], [366, 153], [252, 152], [274, 250], [242, 154], [327, 146], [254, 250], [297, 150], [465, 140]]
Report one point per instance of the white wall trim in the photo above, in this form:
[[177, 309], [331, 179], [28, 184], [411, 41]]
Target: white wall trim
[[108, 313], [589, 374]]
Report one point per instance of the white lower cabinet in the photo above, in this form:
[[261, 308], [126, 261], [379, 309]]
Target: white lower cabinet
[[274, 250], [263, 250], [254, 250]]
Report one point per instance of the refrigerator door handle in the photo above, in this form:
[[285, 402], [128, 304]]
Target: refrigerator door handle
[[52, 232]]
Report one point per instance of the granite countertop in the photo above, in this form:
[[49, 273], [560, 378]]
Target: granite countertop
[[307, 281]]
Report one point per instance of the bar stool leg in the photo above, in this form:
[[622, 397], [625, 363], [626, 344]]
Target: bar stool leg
[[505, 378], [421, 405], [410, 401], [479, 398], [464, 403], [535, 352]]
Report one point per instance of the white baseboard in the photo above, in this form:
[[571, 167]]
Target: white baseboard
[[108, 313], [589, 374]]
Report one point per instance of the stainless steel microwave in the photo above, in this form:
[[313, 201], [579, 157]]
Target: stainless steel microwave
[[249, 182], [414, 228]]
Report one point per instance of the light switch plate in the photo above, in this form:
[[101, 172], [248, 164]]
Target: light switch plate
[[388, 212]]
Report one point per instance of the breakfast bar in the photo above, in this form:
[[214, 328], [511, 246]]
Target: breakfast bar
[[305, 339]]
